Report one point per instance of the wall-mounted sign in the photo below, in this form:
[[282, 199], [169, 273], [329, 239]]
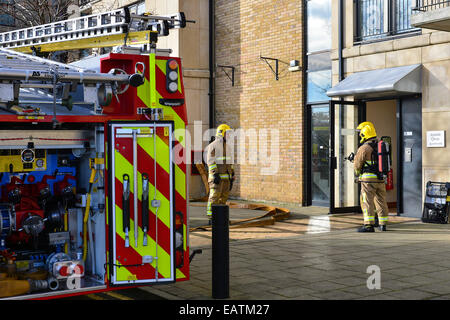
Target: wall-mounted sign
[[435, 139]]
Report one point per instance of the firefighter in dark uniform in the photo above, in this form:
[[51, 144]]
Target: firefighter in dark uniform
[[373, 189], [220, 169]]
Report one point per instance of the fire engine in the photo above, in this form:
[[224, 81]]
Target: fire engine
[[93, 192]]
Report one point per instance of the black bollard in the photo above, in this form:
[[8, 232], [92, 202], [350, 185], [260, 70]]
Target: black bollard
[[220, 252]]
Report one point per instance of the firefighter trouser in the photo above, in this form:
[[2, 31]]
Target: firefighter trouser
[[373, 197], [218, 194]]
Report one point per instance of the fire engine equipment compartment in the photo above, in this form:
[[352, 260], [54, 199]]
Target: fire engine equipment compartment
[[52, 206]]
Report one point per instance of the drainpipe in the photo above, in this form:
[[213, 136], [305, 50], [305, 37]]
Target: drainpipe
[[211, 66], [341, 77], [306, 194], [341, 38]]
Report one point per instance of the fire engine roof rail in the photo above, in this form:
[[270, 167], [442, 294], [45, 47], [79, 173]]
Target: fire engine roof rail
[[116, 22]]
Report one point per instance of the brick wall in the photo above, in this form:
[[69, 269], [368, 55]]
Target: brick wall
[[246, 30]]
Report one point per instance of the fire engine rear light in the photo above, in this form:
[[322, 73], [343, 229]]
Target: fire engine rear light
[[173, 75], [173, 87], [179, 240], [172, 64], [179, 259], [178, 221]]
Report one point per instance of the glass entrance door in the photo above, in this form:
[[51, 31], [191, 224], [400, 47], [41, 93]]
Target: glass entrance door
[[320, 145], [344, 119]]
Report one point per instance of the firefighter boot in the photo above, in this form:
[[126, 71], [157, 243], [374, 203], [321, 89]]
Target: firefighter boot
[[366, 228], [383, 228], [377, 223]]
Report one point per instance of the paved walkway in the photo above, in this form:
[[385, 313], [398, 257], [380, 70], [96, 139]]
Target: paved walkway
[[315, 256]]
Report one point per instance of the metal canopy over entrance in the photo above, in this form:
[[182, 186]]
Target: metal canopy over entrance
[[396, 81]]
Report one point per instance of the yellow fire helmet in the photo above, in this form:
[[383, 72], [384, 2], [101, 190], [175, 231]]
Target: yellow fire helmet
[[366, 131], [222, 129]]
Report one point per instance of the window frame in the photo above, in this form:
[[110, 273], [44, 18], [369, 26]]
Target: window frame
[[311, 53], [390, 34]]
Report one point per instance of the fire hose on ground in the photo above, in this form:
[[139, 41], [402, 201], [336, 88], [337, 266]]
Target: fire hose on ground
[[272, 215]]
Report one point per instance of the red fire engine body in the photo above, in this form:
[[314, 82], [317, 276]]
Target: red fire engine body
[[94, 197]]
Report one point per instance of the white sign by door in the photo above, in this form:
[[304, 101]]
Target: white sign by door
[[435, 139]]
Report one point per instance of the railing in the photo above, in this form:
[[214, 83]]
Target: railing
[[428, 5], [377, 19], [84, 2]]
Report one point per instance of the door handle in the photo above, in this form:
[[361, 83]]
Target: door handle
[[135, 185], [145, 207], [126, 208]]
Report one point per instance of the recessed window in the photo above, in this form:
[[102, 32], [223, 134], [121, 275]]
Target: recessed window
[[319, 25], [6, 20], [318, 48], [378, 19], [319, 76]]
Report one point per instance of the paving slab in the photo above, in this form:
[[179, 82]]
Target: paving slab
[[293, 259]]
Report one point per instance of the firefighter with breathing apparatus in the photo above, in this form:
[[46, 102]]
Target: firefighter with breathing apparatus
[[220, 169], [373, 189]]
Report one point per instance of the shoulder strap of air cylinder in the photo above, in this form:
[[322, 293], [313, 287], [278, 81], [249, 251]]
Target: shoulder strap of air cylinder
[[373, 166]]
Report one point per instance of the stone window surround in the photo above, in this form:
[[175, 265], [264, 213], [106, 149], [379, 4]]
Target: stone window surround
[[401, 34], [393, 44]]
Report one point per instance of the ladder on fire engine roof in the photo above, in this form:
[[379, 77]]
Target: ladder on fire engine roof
[[107, 29]]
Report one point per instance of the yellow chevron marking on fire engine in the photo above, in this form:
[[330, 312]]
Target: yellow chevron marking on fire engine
[[180, 179], [125, 274], [143, 92], [152, 65], [162, 151], [170, 114], [164, 260], [180, 275], [124, 167], [161, 64]]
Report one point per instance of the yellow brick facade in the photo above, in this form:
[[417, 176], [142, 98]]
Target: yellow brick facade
[[246, 30]]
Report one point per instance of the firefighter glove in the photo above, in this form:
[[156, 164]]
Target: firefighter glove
[[216, 178]]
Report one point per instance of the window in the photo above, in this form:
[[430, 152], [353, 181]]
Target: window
[[319, 76], [319, 25], [6, 20], [318, 73], [377, 19], [318, 48], [137, 8]]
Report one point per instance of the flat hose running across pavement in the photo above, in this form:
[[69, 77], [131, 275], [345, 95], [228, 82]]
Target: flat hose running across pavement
[[273, 213]]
